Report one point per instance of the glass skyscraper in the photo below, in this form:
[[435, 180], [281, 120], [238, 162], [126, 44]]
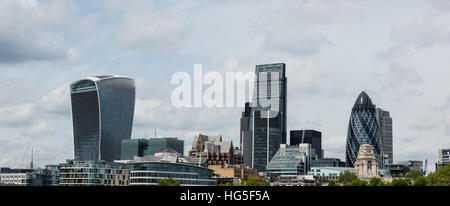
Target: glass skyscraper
[[312, 137], [362, 129], [102, 115], [290, 161], [385, 123], [268, 113], [133, 147]]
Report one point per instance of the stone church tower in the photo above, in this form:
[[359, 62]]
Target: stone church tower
[[366, 166]]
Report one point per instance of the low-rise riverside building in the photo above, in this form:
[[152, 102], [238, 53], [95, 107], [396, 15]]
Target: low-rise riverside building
[[89, 173], [187, 171]]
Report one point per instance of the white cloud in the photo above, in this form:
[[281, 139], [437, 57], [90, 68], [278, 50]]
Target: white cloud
[[334, 146], [144, 27], [18, 115], [426, 123], [304, 76], [41, 129], [441, 5], [72, 55], [32, 30], [58, 100]]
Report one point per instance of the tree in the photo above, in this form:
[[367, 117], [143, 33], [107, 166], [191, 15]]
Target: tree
[[388, 184], [168, 182], [358, 182], [347, 177], [420, 181], [439, 178], [226, 184], [255, 182], [332, 183], [400, 182], [412, 175], [375, 181]]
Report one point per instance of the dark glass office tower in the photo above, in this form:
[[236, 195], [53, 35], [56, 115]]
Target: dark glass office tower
[[362, 129], [385, 124], [102, 114], [160, 144], [268, 113], [312, 137], [133, 147], [246, 135]]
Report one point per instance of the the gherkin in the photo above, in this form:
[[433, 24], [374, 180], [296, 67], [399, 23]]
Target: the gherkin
[[362, 129]]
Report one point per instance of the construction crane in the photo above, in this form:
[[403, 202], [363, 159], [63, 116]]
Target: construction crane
[[23, 158]]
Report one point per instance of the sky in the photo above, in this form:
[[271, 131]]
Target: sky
[[397, 51]]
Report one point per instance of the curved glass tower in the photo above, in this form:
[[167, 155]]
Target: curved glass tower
[[102, 115], [362, 129]]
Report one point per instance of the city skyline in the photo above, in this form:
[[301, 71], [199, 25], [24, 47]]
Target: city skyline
[[331, 55]]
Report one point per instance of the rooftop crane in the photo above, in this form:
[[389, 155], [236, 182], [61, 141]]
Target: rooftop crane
[[23, 158]]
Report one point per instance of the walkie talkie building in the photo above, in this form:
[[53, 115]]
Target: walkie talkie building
[[102, 115], [362, 129]]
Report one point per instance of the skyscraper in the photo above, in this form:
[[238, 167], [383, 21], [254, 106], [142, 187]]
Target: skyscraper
[[385, 124], [362, 129], [312, 137], [246, 135], [102, 115], [268, 113]]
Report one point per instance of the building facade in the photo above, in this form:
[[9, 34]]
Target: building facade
[[25, 177], [216, 151], [234, 171], [366, 165], [90, 173], [268, 113], [150, 170], [290, 161], [327, 162], [413, 164], [443, 158], [312, 137], [161, 144], [246, 139], [397, 170], [363, 129], [102, 114], [147, 147], [326, 174], [52, 172], [133, 148], [385, 124]]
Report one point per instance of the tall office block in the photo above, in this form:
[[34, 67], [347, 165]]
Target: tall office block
[[362, 129], [385, 124], [102, 114], [312, 137], [268, 113], [246, 135]]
